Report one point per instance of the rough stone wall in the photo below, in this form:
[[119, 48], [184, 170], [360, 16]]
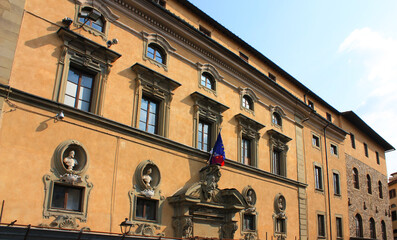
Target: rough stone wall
[[367, 205], [11, 12]]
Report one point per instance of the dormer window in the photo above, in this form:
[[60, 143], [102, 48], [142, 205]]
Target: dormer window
[[156, 53]]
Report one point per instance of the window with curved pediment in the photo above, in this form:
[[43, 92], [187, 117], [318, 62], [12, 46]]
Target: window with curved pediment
[[208, 78], [157, 50], [248, 99], [94, 16]]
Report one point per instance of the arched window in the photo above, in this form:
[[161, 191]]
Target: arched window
[[247, 102], [207, 81], [276, 119], [359, 225], [91, 17], [380, 189], [372, 228], [356, 182], [156, 53], [369, 186], [384, 235]]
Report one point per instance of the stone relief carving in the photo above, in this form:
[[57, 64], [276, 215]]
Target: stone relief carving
[[249, 211], [204, 200]]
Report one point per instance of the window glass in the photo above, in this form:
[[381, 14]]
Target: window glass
[[336, 184], [146, 209], [276, 118], [280, 225], [98, 24], [359, 226], [66, 197], [155, 52], [207, 81], [316, 141], [321, 225], [246, 151], [203, 140], [318, 178], [148, 115], [247, 102], [79, 89], [277, 168], [249, 222], [339, 225]]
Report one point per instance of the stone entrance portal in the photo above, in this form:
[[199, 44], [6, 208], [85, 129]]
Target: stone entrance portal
[[204, 210]]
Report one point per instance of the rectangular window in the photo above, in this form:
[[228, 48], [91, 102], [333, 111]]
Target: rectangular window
[[353, 140], [329, 117], [243, 56], [249, 222], [334, 149], [205, 31], [67, 197], [204, 136], [318, 178], [339, 227], [392, 193], [321, 226], [146, 209], [393, 215], [336, 184], [272, 77], [79, 87], [246, 151], [310, 104], [377, 158], [316, 141], [277, 168], [148, 118], [366, 149]]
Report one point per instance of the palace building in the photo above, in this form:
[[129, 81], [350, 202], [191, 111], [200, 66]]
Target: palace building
[[109, 110]]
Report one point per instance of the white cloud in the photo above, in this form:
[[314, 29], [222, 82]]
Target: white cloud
[[377, 55]]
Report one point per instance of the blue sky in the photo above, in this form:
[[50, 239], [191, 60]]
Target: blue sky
[[344, 51]]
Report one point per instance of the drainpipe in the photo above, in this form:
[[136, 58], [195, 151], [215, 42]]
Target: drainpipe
[[329, 198]]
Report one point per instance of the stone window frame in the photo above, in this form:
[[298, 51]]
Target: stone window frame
[[370, 227], [251, 210], [155, 86], [319, 141], [342, 230], [247, 92], [279, 213], [278, 141], [152, 192], [210, 70], [277, 110], [356, 178], [320, 166], [207, 110], [318, 213], [61, 175], [358, 225], [249, 129], [334, 171], [161, 43], [89, 56], [98, 5]]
